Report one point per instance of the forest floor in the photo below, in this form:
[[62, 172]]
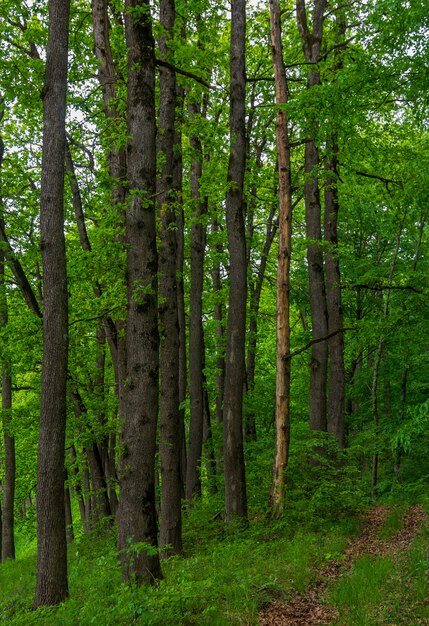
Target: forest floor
[[312, 607]]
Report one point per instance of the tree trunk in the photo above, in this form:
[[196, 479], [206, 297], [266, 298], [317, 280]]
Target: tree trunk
[[8, 536], [235, 481], [196, 342], [51, 576], [7, 543], [137, 520], [337, 374], [171, 488], [107, 76], [283, 365], [311, 43], [180, 223]]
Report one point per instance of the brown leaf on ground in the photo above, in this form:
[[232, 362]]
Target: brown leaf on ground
[[308, 608]]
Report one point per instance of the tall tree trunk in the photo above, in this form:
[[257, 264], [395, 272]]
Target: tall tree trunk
[[283, 363], [196, 341], [180, 223], [218, 315], [311, 43], [137, 520], [7, 535], [51, 576], [107, 76], [337, 374], [235, 481], [171, 488], [7, 531]]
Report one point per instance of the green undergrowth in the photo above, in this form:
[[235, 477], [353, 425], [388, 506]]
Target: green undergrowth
[[226, 577], [385, 590]]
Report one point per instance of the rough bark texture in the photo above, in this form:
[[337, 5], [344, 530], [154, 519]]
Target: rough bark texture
[[311, 43], [7, 535], [196, 342], [337, 374], [171, 513], [137, 514], [51, 576], [283, 365], [235, 482], [180, 224], [7, 527]]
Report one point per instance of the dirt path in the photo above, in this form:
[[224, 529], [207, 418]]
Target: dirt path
[[308, 609]]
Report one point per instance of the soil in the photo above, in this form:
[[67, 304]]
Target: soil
[[308, 608]]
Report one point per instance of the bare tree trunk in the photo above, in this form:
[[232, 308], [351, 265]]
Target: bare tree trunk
[[180, 222], [137, 521], [107, 76], [196, 341], [234, 469], [51, 576], [283, 365], [171, 512], [7, 542], [337, 376], [311, 43]]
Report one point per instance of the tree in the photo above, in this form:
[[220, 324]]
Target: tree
[[51, 578], [283, 361], [170, 439], [311, 44], [235, 482], [137, 521]]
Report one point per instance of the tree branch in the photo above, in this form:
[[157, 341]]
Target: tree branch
[[170, 66], [318, 340]]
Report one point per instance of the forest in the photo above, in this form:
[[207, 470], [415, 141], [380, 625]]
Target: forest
[[213, 312]]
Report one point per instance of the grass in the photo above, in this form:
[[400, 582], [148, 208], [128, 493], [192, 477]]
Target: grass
[[385, 590], [225, 579]]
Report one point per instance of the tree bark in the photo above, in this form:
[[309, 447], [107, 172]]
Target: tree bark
[[234, 469], [196, 341], [51, 576], [337, 374], [311, 43], [171, 511], [7, 531], [180, 224], [137, 521], [7, 534], [108, 78], [283, 365]]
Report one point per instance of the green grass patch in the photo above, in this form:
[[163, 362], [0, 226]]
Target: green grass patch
[[394, 522], [226, 579], [385, 590]]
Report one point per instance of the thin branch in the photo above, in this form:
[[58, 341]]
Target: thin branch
[[318, 340], [170, 66], [382, 287]]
